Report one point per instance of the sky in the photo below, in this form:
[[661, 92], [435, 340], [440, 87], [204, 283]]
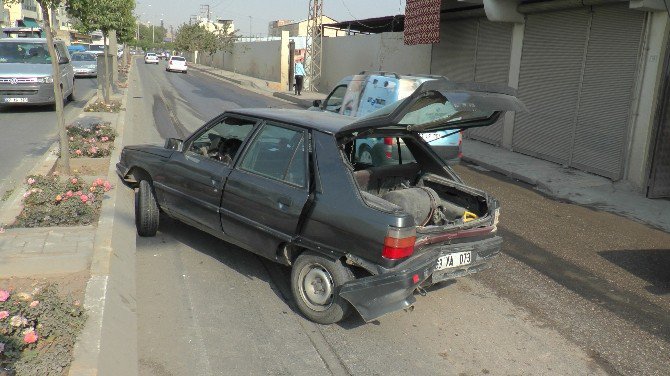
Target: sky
[[176, 12]]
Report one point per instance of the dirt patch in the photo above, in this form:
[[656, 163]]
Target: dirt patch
[[89, 166], [73, 285]]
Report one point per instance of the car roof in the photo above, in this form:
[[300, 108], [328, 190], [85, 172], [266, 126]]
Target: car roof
[[27, 40], [326, 122]]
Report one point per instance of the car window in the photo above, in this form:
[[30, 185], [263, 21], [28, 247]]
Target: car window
[[375, 152], [174, 58], [334, 101], [222, 141], [278, 153], [83, 57], [61, 51], [27, 53]]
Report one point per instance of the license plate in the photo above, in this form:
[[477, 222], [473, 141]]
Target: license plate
[[16, 100], [431, 136], [453, 260]]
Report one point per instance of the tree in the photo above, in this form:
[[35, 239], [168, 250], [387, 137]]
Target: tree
[[64, 144], [103, 15]]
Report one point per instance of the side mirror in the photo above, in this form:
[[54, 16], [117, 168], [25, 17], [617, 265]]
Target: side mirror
[[63, 60], [317, 103], [174, 144]]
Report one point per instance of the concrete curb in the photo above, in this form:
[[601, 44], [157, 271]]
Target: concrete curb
[[503, 171], [91, 351], [306, 103]]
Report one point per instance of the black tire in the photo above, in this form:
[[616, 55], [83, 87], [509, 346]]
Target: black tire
[[71, 96], [322, 303], [365, 154], [146, 210]]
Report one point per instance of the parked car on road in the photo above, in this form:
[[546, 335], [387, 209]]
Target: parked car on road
[[367, 92], [85, 64], [25, 72], [177, 64], [286, 184], [150, 58]]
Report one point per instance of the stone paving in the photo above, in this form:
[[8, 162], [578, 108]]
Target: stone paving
[[52, 250]]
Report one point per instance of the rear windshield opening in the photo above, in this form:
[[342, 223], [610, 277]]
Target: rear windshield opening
[[178, 59]]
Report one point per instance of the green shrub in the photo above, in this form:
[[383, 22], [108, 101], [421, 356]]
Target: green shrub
[[55, 201], [38, 331], [96, 141]]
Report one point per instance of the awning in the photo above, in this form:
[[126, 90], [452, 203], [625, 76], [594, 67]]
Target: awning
[[29, 22]]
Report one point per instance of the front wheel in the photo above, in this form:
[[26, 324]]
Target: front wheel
[[146, 210], [316, 283]]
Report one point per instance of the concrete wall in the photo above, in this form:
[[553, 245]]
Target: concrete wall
[[256, 59], [349, 55]]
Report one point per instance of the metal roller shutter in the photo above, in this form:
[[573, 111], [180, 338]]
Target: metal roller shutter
[[454, 56], [607, 90], [494, 41], [549, 80]]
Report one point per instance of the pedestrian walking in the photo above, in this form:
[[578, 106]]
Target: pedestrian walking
[[299, 76]]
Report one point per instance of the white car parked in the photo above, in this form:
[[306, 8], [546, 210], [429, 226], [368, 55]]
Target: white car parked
[[150, 58], [177, 64]]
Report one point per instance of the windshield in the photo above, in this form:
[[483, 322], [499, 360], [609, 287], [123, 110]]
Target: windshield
[[96, 48], [83, 57], [26, 53]]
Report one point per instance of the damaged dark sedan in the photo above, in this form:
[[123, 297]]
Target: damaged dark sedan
[[288, 185]]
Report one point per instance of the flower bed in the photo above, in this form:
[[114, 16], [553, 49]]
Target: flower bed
[[112, 106], [96, 141], [38, 331], [54, 201]]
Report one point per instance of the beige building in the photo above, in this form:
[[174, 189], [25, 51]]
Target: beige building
[[298, 29], [218, 26], [28, 13]]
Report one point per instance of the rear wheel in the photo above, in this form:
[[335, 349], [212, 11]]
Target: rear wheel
[[71, 96], [146, 210], [316, 283]]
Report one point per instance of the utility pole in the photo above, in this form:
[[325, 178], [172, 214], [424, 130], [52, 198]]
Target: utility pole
[[314, 44]]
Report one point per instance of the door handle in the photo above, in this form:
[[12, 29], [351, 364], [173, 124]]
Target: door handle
[[284, 202]]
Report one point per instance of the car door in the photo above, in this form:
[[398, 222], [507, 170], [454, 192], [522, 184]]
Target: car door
[[192, 180], [266, 192], [66, 70]]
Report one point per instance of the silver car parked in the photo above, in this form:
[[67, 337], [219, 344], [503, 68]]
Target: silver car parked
[[26, 75], [85, 64]]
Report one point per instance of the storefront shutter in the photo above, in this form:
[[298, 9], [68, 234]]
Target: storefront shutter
[[454, 56], [607, 90], [492, 65], [549, 81]]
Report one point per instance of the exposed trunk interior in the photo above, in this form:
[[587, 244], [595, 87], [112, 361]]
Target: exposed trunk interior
[[416, 185]]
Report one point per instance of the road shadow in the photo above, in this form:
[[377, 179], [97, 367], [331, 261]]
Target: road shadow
[[21, 109], [648, 264]]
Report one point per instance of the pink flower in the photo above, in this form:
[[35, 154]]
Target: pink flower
[[2, 230], [69, 193], [91, 197], [107, 186], [4, 295], [74, 180], [31, 181], [4, 315], [78, 193], [93, 150], [25, 195], [104, 139], [34, 303], [83, 198], [30, 336], [78, 152]]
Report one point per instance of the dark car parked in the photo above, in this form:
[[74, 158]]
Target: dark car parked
[[288, 185]]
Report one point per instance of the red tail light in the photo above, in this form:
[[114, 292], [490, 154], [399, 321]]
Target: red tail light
[[388, 140], [399, 243]]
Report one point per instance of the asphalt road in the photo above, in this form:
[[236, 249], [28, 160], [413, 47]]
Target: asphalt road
[[27, 132], [576, 292]]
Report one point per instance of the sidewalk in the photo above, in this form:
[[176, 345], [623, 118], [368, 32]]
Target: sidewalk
[[556, 181]]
